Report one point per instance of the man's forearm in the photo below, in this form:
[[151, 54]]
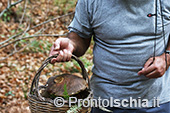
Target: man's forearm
[[80, 44], [168, 48]]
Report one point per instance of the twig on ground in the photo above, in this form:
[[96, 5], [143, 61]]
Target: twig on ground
[[9, 6], [9, 3], [25, 7], [32, 36], [53, 19], [14, 52], [12, 37]]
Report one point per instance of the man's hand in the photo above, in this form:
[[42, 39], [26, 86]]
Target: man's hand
[[64, 47], [155, 69]]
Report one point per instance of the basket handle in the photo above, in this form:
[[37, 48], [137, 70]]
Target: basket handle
[[45, 63]]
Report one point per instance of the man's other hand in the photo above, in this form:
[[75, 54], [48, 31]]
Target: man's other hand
[[155, 69]]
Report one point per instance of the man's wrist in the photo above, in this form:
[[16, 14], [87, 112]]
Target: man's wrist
[[167, 52]]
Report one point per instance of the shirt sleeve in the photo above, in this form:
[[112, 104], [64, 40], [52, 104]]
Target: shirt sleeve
[[81, 21]]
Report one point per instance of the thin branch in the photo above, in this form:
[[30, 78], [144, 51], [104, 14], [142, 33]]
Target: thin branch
[[9, 6], [32, 36], [12, 37], [14, 52], [53, 19], [25, 6], [22, 33], [9, 3]]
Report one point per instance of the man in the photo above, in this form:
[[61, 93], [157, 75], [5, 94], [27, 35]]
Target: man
[[130, 53]]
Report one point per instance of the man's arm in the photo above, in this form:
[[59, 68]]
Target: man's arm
[[168, 47], [158, 67], [65, 47], [168, 56], [80, 44]]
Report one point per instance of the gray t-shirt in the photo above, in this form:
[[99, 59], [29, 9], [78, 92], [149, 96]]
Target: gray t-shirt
[[124, 40]]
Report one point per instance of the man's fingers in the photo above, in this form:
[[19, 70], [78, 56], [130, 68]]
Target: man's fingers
[[57, 45], [63, 48], [140, 72], [69, 56], [153, 74], [53, 60], [148, 63], [65, 55], [146, 70], [54, 53], [60, 56]]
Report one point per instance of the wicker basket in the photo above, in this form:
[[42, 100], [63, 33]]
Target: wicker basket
[[39, 104]]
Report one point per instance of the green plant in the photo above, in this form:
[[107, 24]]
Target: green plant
[[6, 16], [72, 66], [13, 31], [74, 109], [9, 93], [25, 94], [65, 93], [48, 45], [52, 96], [38, 46], [35, 46], [23, 41], [86, 62], [65, 5]]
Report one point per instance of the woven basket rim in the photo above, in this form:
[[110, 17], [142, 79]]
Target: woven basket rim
[[38, 103]]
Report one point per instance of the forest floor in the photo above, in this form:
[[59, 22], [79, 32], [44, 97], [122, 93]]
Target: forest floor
[[21, 58]]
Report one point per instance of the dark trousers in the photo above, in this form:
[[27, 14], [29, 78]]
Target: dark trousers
[[164, 108]]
